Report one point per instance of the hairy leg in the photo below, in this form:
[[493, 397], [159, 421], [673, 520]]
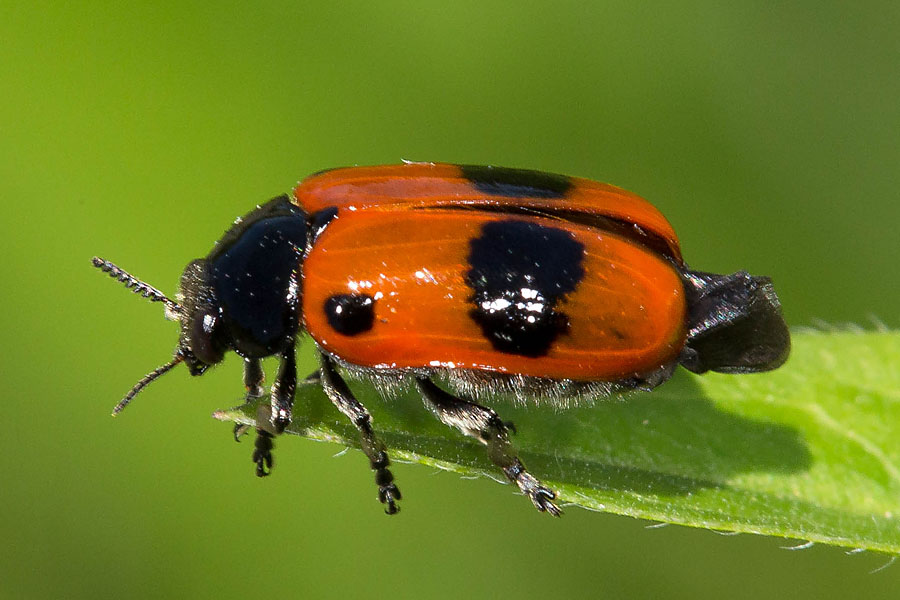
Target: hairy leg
[[341, 396], [484, 425]]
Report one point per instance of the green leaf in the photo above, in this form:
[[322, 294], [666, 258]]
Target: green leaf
[[810, 451]]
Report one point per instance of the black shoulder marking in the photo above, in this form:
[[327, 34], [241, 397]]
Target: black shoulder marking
[[320, 220], [516, 183], [520, 271], [350, 314]]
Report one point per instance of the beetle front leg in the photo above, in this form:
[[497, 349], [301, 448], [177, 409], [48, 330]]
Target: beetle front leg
[[264, 443], [262, 451], [340, 395], [253, 383], [484, 425], [265, 440], [253, 378], [283, 391]]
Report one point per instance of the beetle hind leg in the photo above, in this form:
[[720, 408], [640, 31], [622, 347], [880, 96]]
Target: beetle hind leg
[[483, 424], [340, 395]]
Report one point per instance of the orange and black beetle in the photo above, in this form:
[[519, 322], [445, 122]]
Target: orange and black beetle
[[488, 279]]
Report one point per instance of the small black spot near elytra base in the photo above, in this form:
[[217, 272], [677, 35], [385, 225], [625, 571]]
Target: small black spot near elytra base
[[520, 271], [516, 183], [350, 314]]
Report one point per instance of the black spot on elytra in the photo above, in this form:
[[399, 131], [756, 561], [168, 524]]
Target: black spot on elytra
[[350, 314], [516, 183], [520, 270]]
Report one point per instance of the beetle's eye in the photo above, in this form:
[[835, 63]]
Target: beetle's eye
[[205, 339]]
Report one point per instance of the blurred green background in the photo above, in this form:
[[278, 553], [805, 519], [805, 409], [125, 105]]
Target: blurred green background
[[768, 134]]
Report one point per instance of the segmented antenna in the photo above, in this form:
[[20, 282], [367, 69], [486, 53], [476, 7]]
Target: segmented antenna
[[136, 285], [144, 382]]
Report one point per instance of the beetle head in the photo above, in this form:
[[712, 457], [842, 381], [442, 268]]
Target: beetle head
[[202, 342]]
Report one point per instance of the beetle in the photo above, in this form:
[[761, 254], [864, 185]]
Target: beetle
[[465, 282]]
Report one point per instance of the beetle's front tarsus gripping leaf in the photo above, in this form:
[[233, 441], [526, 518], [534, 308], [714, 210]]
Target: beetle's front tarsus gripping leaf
[[262, 453]]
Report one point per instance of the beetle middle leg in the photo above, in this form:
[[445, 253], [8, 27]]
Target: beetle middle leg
[[284, 388], [484, 425], [340, 395]]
